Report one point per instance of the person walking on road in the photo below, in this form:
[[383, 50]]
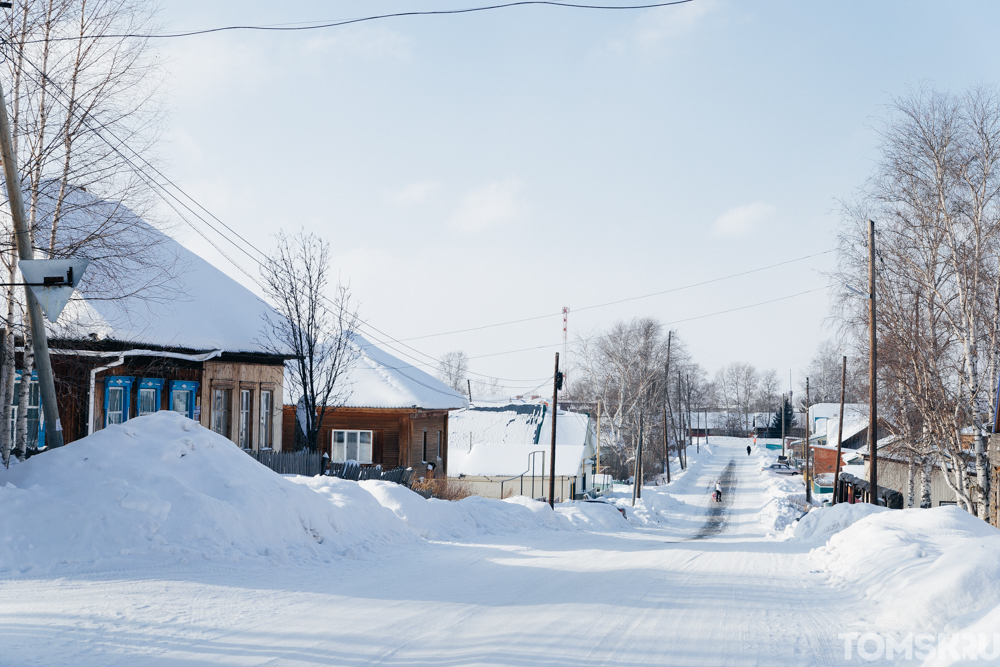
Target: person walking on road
[[748, 450], [718, 490]]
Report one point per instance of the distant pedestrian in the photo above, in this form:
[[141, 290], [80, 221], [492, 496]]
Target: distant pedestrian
[[748, 450]]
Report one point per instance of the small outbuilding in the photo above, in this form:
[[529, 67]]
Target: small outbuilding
[[503, 448]]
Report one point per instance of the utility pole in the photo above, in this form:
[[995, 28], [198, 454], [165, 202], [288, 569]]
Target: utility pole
[[468, 383], [697, 447], [680, 419], [697, 442], [637, 483], [706, 426], [46, 380], [783, 453], [840, 431], [598, 436], [872, 369], [556, 386], [666, 448], [808, 474]]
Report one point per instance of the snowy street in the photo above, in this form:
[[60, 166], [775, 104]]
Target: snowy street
[[687, 592]]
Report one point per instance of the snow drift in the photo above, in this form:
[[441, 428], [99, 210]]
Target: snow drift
[[161, 487], [927, 569]]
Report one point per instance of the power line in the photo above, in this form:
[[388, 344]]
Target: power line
[[166, 195], [364, 19], [687, 319], [631, 298]]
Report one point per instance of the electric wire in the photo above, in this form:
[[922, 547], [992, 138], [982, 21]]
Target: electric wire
[[166, 195], [626, 299], [365, 19]]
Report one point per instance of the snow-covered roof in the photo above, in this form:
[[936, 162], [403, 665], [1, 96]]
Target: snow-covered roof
[[852, 426], [173, 297], [517, 421], [379, 380], [497, 438], [510, 459]]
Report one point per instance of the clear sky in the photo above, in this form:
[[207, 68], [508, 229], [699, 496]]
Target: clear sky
[[481, 168]]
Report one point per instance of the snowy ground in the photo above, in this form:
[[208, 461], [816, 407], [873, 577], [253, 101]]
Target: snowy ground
[[684, 581]]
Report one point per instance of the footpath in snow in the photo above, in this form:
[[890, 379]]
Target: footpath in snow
[[158, 542]]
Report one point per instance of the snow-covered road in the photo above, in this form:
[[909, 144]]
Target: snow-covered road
[[698, 590]]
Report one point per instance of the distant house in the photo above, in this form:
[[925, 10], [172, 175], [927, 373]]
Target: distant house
[[824, 421], [503, 448], [394, 415], [185, 340]]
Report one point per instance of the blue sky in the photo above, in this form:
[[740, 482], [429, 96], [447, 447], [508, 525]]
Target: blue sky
[[481, 168]]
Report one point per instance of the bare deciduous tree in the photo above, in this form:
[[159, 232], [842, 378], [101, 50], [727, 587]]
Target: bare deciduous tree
[[453, 370], [319, 332]]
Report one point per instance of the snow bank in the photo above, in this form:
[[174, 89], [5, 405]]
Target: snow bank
[[474, 516], [821, 523], [928, 570], [161, 488]]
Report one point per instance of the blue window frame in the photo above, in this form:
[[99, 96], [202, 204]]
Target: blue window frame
[[36, 421], [117, 398], [150, 390], [182, 395]]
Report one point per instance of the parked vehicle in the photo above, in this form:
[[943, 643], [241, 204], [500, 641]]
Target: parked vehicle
[[782, 469]]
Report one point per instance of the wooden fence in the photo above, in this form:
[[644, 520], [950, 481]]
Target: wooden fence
[[302, 462], [856, 490], [305, 462]]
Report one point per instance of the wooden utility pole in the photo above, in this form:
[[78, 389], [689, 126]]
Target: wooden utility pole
[[556, 383], [637, 483], [806, 441], [697, 441], [840, 431], [666, 448], [598, 436], [697, 447], [680, 419], [872, 369], [46, 380], [783, 426], [468, 383], [706, 426]]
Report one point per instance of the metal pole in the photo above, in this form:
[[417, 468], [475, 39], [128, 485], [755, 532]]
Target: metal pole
[[46, 380], [872, 369], [808, 475], [552, 456], [840, 432]]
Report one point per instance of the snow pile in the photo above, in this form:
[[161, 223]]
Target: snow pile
[[928, 570], [161, 488], [474, 516], [820, 524], [785, 495]]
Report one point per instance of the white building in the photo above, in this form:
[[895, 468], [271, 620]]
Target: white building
[[502, 449]]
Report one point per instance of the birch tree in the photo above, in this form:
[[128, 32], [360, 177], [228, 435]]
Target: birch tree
[[935, 196]]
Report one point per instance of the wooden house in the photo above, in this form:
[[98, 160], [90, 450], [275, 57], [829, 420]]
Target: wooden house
[[191, 347], [394, 415]]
